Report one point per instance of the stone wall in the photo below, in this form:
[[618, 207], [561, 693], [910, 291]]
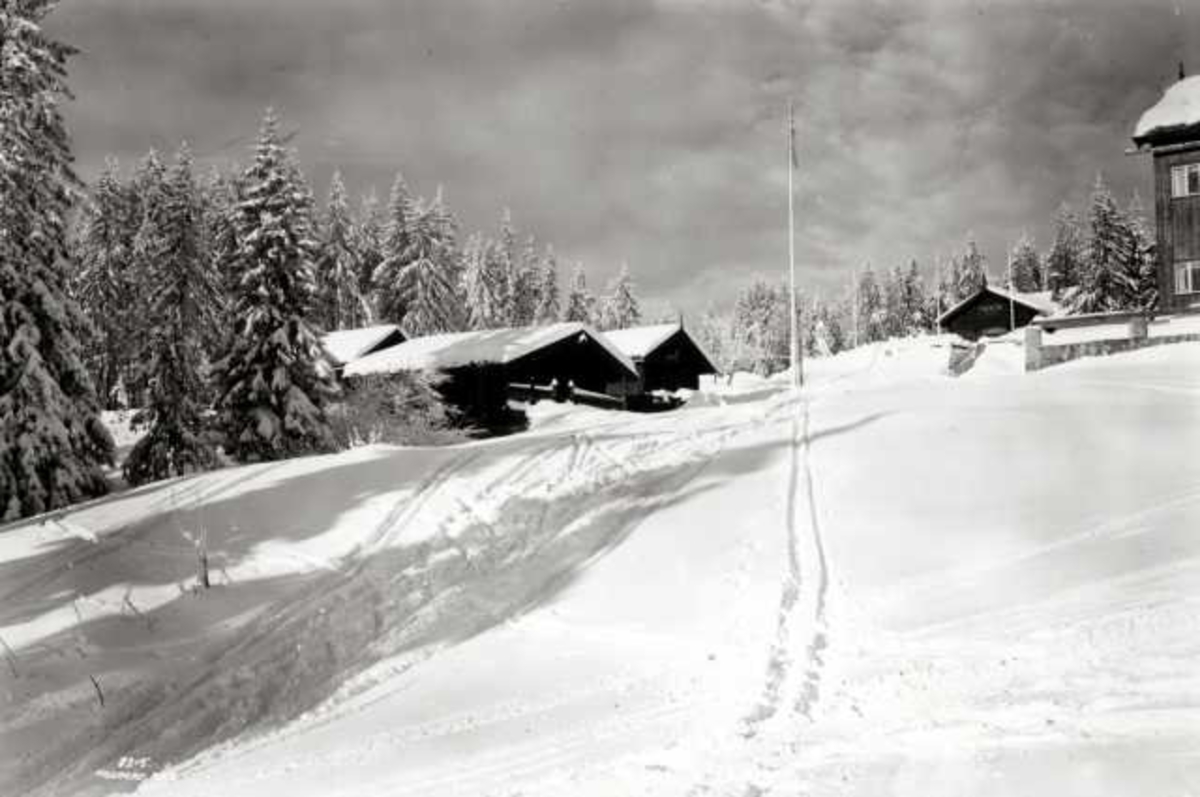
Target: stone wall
[[1039, 356]]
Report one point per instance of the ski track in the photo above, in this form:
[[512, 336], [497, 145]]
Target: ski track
[[255, 648]]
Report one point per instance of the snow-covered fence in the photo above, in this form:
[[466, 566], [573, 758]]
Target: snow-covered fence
[[1094, 338]]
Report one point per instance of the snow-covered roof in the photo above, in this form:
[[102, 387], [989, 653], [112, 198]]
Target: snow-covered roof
[[347, 345], [637, 342], [1040, 301], [1179, 107], [456, 349]]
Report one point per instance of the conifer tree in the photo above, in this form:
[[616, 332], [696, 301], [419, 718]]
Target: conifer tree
[[368, 246], [274, 380], [222, 195], [52, 443], [1103, 283], [429, 272], [548, 304], [1026, 266], [1064, 261], [620, 308], [1142, 270], [915, 302], [106, 279], [339, 305], [972, 270], [476, 285], [580, 304], [389, 288], [896, 322], [185, 306], [872, 312], [525, 284]]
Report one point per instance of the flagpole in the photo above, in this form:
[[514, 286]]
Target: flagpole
[[1012, 310], [797, 374]]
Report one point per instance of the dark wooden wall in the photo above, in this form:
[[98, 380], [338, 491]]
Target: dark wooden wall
[[987, 313], [676, 363], [1177, 224]]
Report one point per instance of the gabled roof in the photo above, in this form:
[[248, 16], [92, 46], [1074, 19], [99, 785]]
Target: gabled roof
[[346, 345], [484, 346], [637, 342], [1178, 109], [1039, 302]]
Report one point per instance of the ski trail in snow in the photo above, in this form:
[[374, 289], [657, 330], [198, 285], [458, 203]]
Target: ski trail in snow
[[800, 634]]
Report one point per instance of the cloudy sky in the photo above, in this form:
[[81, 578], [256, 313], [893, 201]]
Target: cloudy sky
[[653, 133]]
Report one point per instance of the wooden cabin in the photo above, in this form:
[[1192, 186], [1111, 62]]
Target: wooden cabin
[[991, 311], [666, 356], [481, 369], [347, 345], [1170, 132]]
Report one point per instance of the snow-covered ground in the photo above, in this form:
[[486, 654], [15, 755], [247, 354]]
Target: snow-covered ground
[[897, 583]]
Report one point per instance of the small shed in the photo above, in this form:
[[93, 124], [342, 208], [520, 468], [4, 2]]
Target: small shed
[[992, 311], [347, 345], [482, 367], [666, 356]]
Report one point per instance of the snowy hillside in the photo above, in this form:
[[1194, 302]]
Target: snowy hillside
[[898, 583]]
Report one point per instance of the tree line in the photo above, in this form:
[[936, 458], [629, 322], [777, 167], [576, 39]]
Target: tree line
[[1104, 264]]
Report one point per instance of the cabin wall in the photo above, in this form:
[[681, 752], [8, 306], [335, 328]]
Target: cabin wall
[[1177, 227], [989, 315]]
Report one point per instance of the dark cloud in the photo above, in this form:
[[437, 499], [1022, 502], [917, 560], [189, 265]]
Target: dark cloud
[[654, 134]]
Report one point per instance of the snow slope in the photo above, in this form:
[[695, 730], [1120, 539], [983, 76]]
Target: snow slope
[[897, 583]]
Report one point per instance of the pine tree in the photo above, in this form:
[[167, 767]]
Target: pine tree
[[761, 314], [972, 271], [548, 305], [1103, 282], [186, 305], [274, 380], [338, 302], [580, 304], [222, 195], [389, 287], [105, 280], [52, 443], [476, 284], [1064, 261], [1026, 266], [1142, 270], [504, 266], [915, 302], [620, 308], [872, 312], [429, 271], [896, 322], [368, 246]]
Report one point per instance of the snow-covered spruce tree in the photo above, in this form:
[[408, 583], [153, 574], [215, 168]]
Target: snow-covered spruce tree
[[339, 305], [368, 246], [104, 280], [222, 192], [1064, 261], [475, 285], [52, 443], [274, 379], [872, 312], [620, 308], [915, 302], [1103, 282], [580, 304], [761, 317], [186, 305], [1026, 266], [548, 304], [526, 284], [1142, 269], [427, 278], [972, 270], [895, 322], [389, 289]]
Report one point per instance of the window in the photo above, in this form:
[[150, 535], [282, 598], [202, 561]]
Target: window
[[1185, 180], [1187, 277]]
